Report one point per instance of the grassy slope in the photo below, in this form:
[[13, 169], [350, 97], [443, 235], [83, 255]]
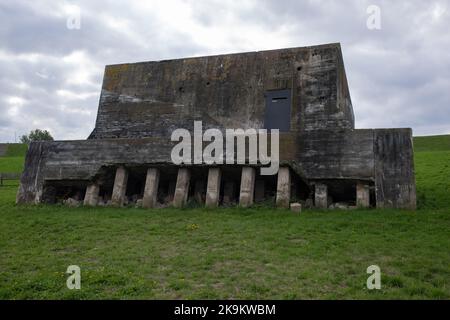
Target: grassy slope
[[11, 164], [432, 143], [16, 150], [232, 253], [14, 158], [433, 179], [432, 164]]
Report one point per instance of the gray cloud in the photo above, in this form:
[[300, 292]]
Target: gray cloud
[[51, 76]]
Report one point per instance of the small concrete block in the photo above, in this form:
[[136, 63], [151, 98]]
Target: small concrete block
[[362, 195], [296, 207], [91, 196], [321, 196], [71, 202]]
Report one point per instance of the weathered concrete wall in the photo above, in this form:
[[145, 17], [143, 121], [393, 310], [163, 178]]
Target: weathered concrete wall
[[384, 156], [83, 159], [381, 156], [225, 91], [394, 169], [344, 154]]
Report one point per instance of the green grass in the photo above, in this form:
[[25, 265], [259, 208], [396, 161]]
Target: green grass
[[432, 143], [256, 253], [433, 179], [11, 164], [432, 166], [14, 158], [16, 150]]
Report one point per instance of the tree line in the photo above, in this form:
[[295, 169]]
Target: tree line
[[36, 135]]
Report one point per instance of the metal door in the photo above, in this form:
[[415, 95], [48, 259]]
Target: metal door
[[278, 110]]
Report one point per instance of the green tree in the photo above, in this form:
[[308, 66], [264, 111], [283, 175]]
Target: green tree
[[36, 135]]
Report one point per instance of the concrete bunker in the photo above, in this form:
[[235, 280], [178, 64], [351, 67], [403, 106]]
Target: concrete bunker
[[324, 161]]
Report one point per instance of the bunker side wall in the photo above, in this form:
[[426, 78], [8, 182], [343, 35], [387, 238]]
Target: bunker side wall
[[394, 169], [341, 154]]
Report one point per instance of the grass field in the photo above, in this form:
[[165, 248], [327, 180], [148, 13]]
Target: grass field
[[16, 150], [256, 253], [11, 164], [13, 160]]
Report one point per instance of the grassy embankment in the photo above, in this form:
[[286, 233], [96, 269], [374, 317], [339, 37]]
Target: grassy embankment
[[255, 253]]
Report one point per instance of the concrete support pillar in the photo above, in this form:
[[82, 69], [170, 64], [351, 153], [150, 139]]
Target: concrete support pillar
[[120, 187], [151, 188], [259, 190], [213, 187], [91, 196], [362, 195], [283, 188], [182, 187], [228, 192], [247, 186], [321, 196]]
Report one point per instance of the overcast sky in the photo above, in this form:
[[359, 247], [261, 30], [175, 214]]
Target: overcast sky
[[51, 74]]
